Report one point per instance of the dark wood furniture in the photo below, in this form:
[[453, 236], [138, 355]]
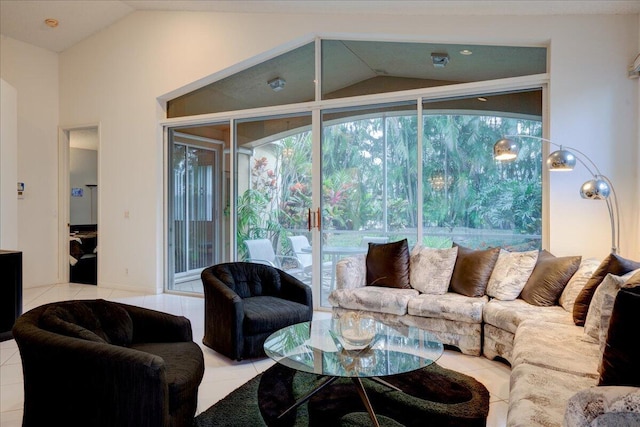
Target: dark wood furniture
[[10, 291]]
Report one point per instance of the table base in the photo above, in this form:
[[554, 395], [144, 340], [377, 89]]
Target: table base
[[359, 387]]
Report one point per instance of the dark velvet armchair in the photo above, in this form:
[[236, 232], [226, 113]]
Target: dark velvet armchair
[[101, 363], [246, 302]]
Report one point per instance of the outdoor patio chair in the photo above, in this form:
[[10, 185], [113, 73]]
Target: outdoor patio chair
[[302, 249], [261, 251]]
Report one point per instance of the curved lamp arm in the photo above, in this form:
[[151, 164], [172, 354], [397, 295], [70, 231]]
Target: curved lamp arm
[[595, 174], [611, 199]]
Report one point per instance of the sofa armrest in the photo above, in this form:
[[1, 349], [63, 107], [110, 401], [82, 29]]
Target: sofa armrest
[[223, 316], [351, 272], [588, 406]]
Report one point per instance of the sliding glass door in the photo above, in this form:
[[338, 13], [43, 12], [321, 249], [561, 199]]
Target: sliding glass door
[[273, 192], [194, 199]]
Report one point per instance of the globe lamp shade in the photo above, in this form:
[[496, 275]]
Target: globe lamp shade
[[561, 160]]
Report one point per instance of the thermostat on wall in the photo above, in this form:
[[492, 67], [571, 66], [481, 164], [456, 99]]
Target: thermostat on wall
[[21, 190]]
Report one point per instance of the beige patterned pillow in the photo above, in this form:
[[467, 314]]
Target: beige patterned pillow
[[510, 274], [577, 282], [601, 305], [431, 269]]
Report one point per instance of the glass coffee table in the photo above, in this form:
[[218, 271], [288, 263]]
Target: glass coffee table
[[320, 347]]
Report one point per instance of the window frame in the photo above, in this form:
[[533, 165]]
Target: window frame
[[419, 96]]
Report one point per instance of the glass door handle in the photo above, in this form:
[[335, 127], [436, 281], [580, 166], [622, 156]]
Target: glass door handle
[[313, 219]]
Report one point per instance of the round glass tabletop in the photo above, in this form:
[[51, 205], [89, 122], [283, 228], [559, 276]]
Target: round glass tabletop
[[330, 347]]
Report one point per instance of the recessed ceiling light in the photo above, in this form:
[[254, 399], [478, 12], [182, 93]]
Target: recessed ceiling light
[[482, 99], [466, 52], [53, 23]]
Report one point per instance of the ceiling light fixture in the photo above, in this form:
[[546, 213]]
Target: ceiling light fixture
[[482, 99], [277, 84], [52, 23], [466, 52], [440, 60]]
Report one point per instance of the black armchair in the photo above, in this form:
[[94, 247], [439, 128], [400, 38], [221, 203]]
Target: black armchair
[[246, 302], [101, 363]]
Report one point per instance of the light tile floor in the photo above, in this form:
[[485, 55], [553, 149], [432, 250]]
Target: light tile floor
[[221, 374]]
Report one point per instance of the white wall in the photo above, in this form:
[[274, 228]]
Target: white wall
[[115, 76], [34, 73], [8, 166]]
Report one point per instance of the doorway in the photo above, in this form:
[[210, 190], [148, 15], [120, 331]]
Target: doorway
[[83, 205]]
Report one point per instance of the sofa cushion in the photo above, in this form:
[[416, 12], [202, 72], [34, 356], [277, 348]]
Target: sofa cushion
[[373, 298], [508, 315], [267, 314], [549, 278], [577, 282], [556, 347], [449, 306], [538, 396], [601, 305], [388, 264], [431, 269], [351, 272], [60, 321], [472, 271], [621, 353], [99, 320], [614, 264], [510, 274]]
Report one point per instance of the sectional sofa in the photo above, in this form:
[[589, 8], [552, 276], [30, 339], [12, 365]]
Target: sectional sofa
[[547, 316]]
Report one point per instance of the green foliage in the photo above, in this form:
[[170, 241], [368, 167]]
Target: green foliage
[[370, 176]]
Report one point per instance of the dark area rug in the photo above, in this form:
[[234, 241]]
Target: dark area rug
[[432, 395]]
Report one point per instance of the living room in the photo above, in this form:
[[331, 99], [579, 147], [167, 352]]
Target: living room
[[117, 77]]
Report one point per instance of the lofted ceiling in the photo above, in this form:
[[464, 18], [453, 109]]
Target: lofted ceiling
[[24, 19]]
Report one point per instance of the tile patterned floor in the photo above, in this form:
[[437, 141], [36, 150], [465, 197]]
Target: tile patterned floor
[[221, 374]]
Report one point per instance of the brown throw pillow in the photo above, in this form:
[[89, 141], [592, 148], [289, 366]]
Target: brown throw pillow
[[388, 264], [613, 264], [472, 270], [621, 352], [548, 279]]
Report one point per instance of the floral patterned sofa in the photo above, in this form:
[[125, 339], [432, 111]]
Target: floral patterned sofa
[[542, 314]]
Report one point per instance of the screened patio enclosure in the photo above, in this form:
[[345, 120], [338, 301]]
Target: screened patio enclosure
[[371, 158]]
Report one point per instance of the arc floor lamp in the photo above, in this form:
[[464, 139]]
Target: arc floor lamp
[[599, 187]]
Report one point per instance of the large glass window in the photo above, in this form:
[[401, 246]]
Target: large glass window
[[415, 165], [286, 79], [369, 181], [469, 198], [357, 67]]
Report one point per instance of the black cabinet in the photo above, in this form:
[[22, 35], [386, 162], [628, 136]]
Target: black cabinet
[[10, 291]]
